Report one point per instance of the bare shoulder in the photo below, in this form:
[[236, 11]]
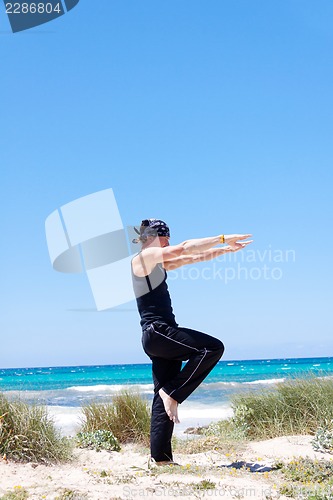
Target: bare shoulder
[[146, 260]]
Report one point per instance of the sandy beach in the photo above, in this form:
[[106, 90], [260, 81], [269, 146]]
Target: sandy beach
[[246, 471], [209, 466]]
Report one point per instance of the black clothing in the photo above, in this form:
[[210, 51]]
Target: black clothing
[[168, 345], [161, 341], [152, 298]]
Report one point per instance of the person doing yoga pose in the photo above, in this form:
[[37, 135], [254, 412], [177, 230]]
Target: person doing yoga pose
[[165, 342]]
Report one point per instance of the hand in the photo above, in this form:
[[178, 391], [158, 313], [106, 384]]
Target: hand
[[237, 246], [232, 240]]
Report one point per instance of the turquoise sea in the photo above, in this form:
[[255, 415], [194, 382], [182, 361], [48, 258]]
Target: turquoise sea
[[74, 385], [65, 389]]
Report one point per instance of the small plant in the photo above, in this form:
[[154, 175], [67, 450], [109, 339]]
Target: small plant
[[323, 440], [67, 494], [309, 492], [98, 440], [242, 418], [205, 484], [232, 429], [127, 417], [307, 479], [197, 445], [18, 493], [305, 470]]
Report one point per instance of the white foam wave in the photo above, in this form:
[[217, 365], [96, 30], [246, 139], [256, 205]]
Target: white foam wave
[[267, 382], [112, 388], [192, 415], [209, 412], [216, 385], [67, 419]]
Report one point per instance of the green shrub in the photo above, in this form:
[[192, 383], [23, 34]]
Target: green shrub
[[18, 493], [306, 470], [309, 492], [323, 440], [28, 433], [297, 406], [67, 494], [127, 417], [197, 445], [308, 479], [205, 484], [225, 434], [98, 440]]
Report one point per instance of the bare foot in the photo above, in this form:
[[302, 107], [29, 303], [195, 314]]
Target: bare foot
[[152, 463], [166, 462], [170, 405]]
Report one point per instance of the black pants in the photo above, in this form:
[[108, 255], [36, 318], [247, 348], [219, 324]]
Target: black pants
[[167, 347]]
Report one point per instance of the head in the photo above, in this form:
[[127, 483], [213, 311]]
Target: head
[[153, 232]]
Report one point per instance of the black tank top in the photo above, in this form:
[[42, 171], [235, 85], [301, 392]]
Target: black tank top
[[153, 298]]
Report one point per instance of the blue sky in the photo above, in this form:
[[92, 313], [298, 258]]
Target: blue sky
[[215, 116]]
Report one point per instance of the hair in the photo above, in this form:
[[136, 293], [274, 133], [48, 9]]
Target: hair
[[151, 227]]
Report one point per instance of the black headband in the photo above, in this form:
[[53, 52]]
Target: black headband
[[152, 227]]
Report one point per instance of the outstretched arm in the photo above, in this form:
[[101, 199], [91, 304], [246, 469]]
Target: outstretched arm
[[202, 244], [189, 248], [209, 254]]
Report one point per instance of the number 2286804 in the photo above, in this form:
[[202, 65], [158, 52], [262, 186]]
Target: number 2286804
[[33, 8]]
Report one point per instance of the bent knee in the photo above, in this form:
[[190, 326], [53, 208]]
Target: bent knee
[[219, 348]]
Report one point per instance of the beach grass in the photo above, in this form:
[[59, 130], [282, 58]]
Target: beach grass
[[127, 417], [296, 406], [28, 433]]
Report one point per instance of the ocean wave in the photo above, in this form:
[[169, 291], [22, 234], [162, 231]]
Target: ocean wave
[[217, 385], [206, 413], [143, 388], [267, 382], [66, 419]]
